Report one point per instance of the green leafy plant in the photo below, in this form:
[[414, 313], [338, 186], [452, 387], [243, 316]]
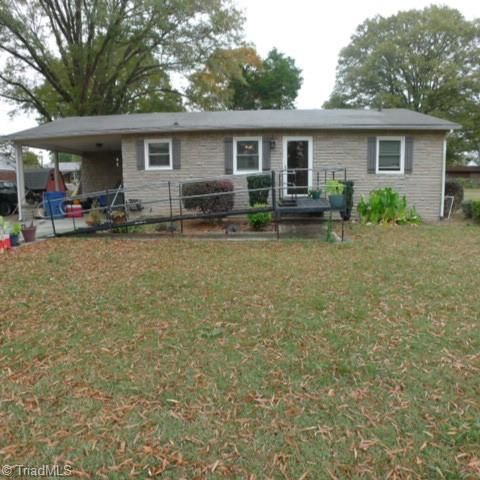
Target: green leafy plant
[[467, 209], [16, 229], [258, 220], [476, 210], [385, 205], [315, 193], [255, 182], [335, 187], [3, 224]]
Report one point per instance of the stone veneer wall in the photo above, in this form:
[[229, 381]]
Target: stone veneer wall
[[202, 155]]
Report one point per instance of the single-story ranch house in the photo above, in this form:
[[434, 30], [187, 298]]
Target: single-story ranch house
[[379, 148]]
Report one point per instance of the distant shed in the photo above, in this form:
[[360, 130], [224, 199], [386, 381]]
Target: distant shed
[[461, 171], [43, 180]]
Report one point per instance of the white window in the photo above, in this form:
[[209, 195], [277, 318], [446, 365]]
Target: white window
[[391, 155], [247, 155], [158, 154]]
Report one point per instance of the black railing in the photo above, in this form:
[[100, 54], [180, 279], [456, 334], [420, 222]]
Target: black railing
[[165, 202]]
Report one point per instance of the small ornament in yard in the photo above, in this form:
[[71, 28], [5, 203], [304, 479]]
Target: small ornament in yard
[[232, 228]]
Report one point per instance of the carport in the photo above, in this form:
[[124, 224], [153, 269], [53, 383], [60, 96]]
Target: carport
[[70, 136]]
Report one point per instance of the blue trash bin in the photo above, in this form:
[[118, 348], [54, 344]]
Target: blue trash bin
[[53, 204]]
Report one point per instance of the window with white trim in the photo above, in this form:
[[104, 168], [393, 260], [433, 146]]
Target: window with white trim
[[158, 154], [391, 155], [247, 154]]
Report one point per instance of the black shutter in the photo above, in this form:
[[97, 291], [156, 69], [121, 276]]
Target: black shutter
[[228, 155], [140, 147], [371, 154], [266, 163], [176, 157], [408, 154]]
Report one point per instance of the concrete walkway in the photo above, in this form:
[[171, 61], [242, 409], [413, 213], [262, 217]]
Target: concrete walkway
[[44, 226]]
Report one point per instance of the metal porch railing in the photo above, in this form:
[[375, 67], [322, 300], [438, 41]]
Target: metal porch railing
[[165, 201]]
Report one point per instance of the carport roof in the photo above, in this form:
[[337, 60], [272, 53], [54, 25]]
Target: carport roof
[[108, 129]]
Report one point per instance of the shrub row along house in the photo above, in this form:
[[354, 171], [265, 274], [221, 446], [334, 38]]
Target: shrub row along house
[[388, 148]]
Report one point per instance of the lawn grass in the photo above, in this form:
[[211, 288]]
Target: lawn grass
[[472, 193], [204, 359]]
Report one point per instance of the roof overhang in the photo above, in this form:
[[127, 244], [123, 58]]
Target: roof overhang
[[92, 134], [77, 145]]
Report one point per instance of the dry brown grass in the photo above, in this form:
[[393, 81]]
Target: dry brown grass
[[202, 359]]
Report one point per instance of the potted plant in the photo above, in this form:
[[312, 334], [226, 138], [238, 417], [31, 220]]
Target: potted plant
[[94, 217], [119, 217], [15, 234], [315, 193], [335, 190]]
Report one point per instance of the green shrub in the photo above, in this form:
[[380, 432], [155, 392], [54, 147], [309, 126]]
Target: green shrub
[[476, 210], [258, 181], [335, 187], [385, 205], [455, 189], [348, 192], [467, 209], [258, 220], [211, 203]]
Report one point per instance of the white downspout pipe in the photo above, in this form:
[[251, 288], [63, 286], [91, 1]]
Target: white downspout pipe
[[444, 172], [20, 181]]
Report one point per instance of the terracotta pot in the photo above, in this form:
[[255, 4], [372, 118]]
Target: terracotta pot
[[119, 220], [29, 233]]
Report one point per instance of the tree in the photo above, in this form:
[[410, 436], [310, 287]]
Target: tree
[[273, 86], [425, 60], [64, 157], [211, 88], [90, 57], [30, 159], [240, 80]]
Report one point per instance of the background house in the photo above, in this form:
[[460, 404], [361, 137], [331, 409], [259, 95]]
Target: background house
[[7, 169]]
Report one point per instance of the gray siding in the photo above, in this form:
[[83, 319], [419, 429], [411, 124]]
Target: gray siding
[[202, 155]]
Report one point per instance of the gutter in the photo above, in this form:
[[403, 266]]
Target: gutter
[[17, 137], [444, 172]]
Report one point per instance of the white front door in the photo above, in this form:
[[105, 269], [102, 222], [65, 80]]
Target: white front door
[[297, 164]]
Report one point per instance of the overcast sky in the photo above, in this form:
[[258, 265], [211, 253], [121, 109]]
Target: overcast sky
[[311, 31]]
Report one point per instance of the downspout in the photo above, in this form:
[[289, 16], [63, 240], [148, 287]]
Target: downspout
[[444, 170], [20, 180]]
